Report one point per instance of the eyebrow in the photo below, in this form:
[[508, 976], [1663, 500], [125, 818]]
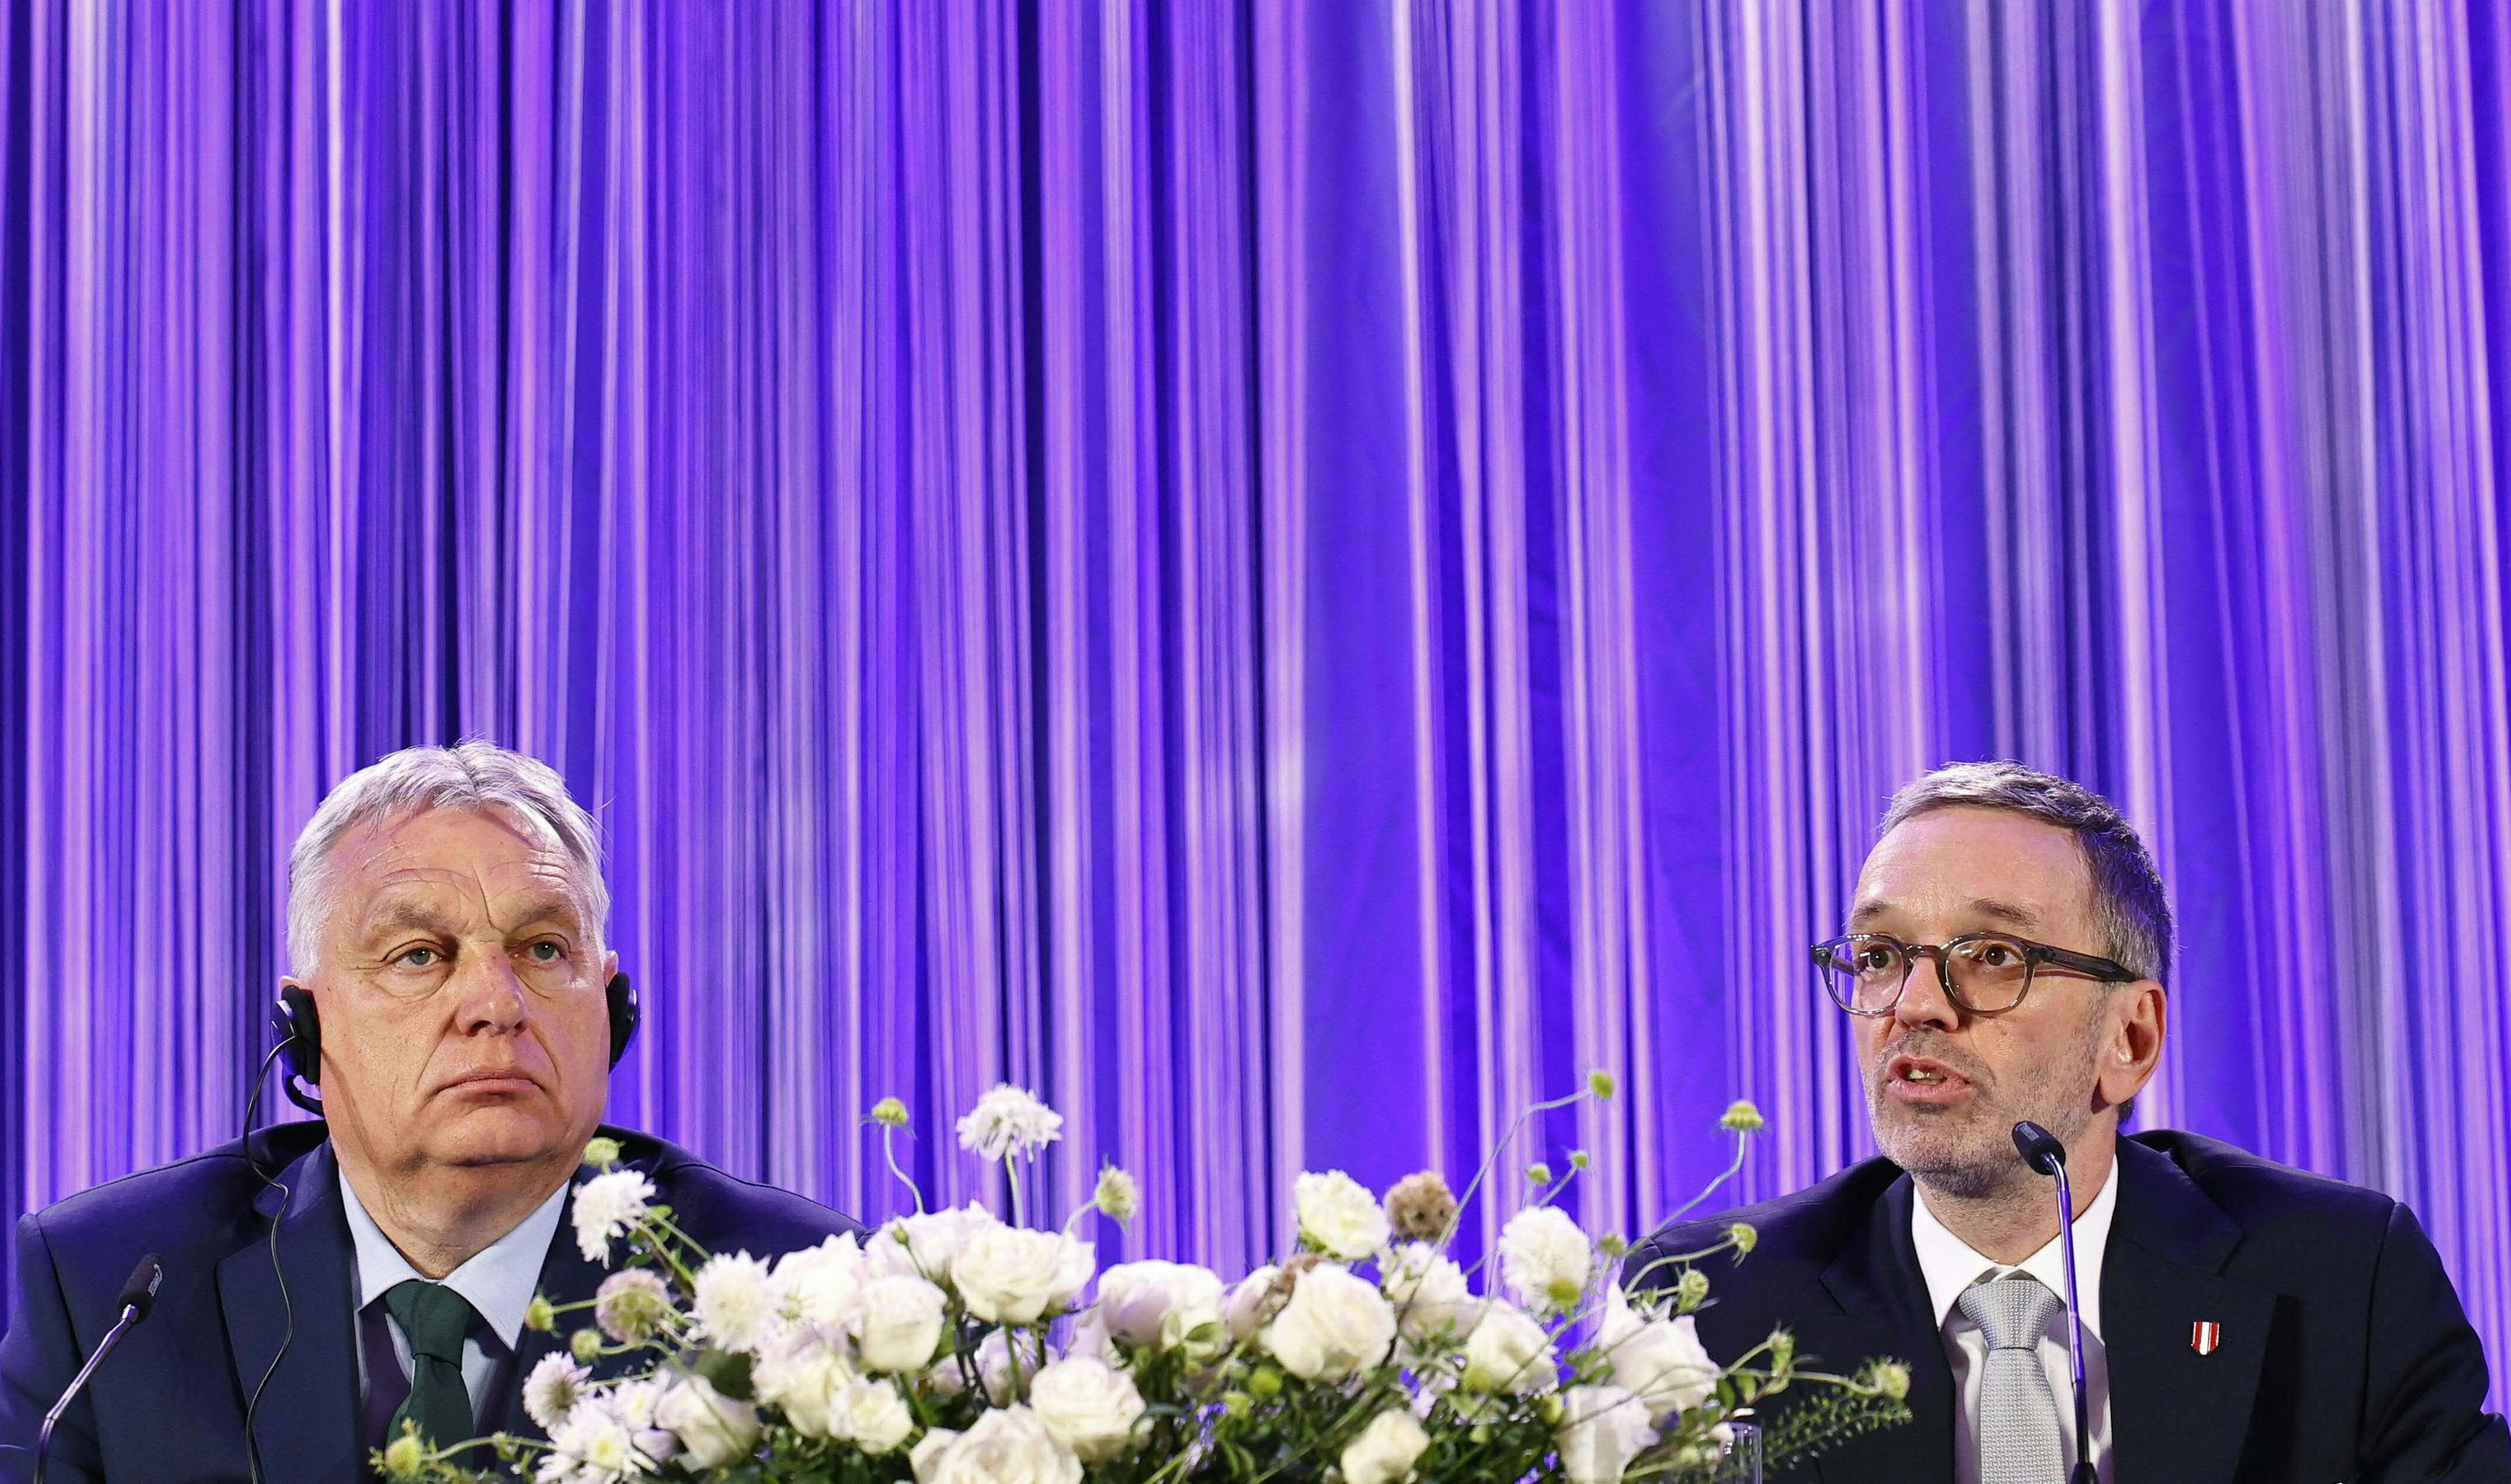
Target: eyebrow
[[1988, 907], [403, 912]]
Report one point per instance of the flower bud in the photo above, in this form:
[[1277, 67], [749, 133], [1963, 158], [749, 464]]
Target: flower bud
[[1579, 1159], [1539, 1173], [1892, 1379], [1743, 1237], [601, 1153], [1741, 1116], [404, 1456], [587, 1345], [1117, 1194], [1689, 1290], [1551, 1409], [889, 1113], [1266, 1383], [1613, 1245], [1600, 1082], [539, 1315]]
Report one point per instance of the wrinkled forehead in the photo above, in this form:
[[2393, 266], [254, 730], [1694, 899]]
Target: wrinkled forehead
[[453, 860], [1972, 870]]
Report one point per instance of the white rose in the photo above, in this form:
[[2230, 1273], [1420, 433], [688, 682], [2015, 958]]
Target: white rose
[[818, 1285], [898, 1324], [1508, 1353], [1661, 1360], [1428, 1291], [1602, 1429], [872, 1416], [801, 1379], [1008, 1445], [1157, 1304], [715, 1430], [1089, 1405], [1386, 1450], [1338, 1216], [1013, 1276], [925, 1244], [1252, 1303], [735, 1301], [1001, 1381], [1545, 1260], [1334, 1324]]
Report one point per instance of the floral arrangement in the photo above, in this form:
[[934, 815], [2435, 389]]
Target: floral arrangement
[[953, 1347]]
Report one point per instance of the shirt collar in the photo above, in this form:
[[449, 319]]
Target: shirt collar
[[1951, 1264], [498, 1281]]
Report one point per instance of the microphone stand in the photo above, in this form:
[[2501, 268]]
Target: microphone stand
[[137, 1297], [2041, 1151]]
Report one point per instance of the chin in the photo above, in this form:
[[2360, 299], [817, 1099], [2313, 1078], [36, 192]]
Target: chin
[[501, 1136]]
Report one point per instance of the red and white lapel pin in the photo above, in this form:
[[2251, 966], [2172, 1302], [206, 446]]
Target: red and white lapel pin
[[2205, 1336]]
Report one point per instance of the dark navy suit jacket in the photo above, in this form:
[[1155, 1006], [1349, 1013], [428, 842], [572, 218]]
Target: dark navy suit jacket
[[2343, 1351], [169, 1404]]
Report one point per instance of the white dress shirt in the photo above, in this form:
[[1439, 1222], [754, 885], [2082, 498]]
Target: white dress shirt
[[498, 1281], [1951, 1264]]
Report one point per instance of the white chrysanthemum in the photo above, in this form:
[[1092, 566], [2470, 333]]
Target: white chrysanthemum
[[551, 1390], [735, 1301], [1545, 1260], [607, 1205], [599, 1446], [1009, 1120], [1338, 1216], [1660, 1360]]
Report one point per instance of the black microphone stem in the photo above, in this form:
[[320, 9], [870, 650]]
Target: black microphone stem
[[52, 1419], [2084, 1473]]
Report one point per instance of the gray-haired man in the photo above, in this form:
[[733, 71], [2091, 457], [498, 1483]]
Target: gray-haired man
[[326, 1282], [2005, 959]]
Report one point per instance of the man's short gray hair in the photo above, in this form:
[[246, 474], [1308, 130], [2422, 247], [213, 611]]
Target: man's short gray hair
[[2128, 900], [470, 775]]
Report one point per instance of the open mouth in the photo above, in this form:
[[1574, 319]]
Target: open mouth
[[1919, 1080]]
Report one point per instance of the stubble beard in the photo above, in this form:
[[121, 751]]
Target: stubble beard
[[1969, 1153]]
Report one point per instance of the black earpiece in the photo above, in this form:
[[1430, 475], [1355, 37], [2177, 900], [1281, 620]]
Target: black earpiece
[[301, 1047], [623, 1014], [300, 1030]]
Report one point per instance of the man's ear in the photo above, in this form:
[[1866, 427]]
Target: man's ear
[[2134, 1047]]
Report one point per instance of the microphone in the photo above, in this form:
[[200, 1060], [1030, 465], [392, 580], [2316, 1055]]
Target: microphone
[[138, 1297], [2041, 1151]]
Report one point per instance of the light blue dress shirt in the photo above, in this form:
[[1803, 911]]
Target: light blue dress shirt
[[498, 1281]]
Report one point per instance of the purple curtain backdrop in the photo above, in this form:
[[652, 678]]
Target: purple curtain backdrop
[[1293, 576]]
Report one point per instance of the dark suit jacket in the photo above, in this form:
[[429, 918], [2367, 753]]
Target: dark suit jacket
[[2343, 1354], [169, 1404]]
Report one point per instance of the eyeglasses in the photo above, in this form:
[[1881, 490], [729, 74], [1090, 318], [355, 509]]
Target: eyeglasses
[[1986, 974]]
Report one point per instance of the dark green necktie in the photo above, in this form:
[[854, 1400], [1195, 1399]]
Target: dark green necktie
[[434, 1320]]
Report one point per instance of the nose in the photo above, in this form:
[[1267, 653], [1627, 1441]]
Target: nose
[[493, 998], [1924, 1001]]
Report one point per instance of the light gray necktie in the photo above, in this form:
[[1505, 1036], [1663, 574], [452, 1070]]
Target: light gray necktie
[[2018, 1443]]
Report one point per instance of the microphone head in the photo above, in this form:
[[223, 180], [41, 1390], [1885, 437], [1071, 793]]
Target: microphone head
[[140, 1293], [2040, 1148]]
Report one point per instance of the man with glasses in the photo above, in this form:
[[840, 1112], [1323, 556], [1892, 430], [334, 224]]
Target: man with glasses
[[2006, 959]]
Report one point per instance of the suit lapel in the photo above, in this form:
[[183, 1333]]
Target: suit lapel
[[1887, 1312], [566, 1277], [306, 1422], [2175, 1413]]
